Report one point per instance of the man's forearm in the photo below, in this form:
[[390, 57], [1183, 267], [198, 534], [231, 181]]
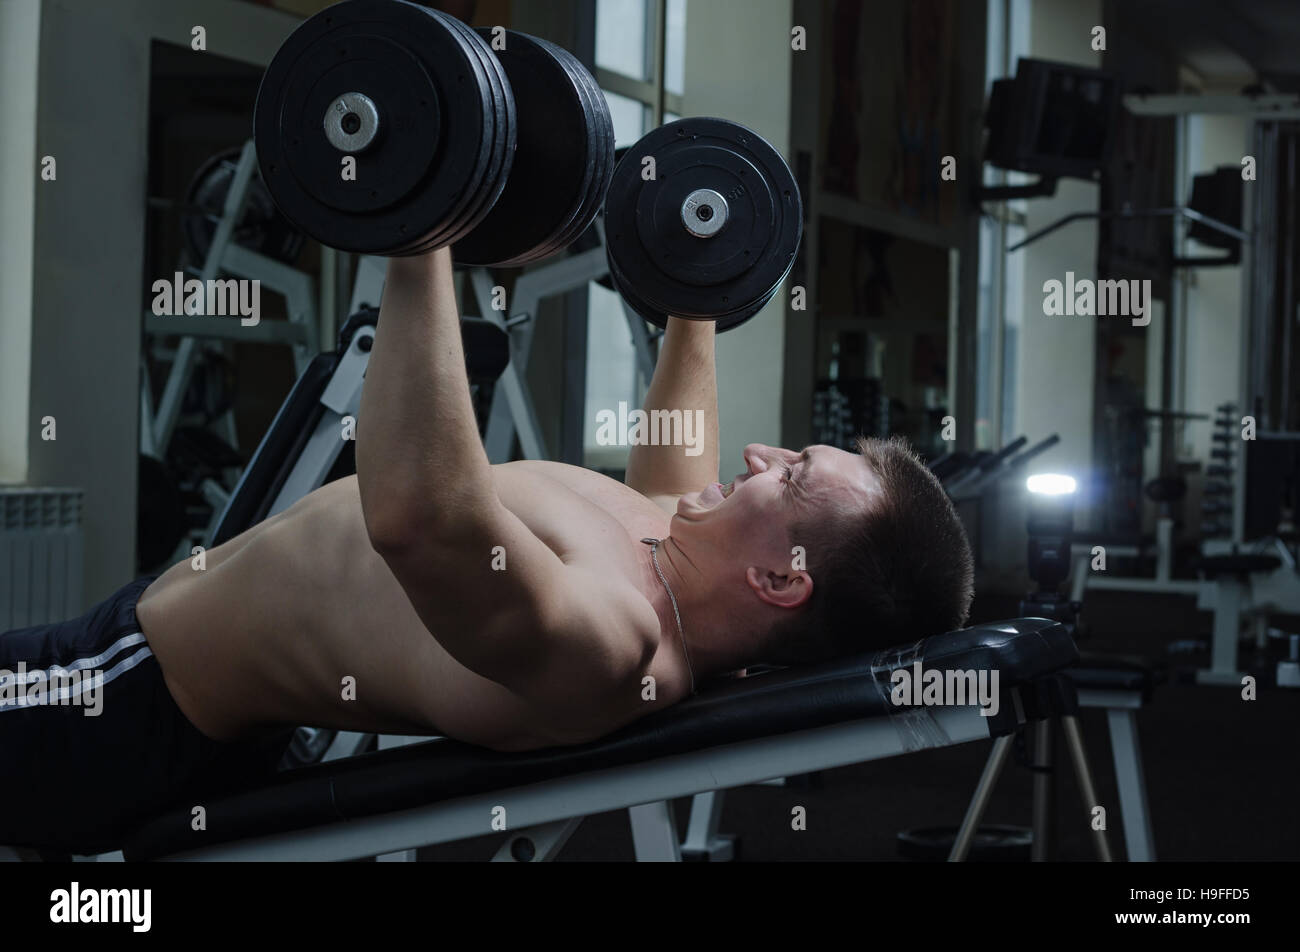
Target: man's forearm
[[685, 379], [420, 461]]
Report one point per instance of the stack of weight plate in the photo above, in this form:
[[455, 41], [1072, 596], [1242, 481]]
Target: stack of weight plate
[[446, 129], [496, 147], [563, 163], [659, 266], [495, 142]]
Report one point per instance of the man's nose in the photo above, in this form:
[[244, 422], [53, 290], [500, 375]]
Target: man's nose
[[758, 457]]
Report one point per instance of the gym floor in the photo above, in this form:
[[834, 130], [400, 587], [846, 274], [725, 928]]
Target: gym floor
[[1222, 774]]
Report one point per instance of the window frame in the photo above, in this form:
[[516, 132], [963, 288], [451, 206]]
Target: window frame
[[652, 92]]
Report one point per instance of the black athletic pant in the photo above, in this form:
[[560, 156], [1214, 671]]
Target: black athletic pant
[[91, 741]]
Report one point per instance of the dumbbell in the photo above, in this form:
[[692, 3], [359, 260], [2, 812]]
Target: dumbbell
[[702, 221], [387, 128]]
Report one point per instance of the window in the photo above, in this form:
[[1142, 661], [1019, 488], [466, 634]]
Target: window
[[631, 118], [641, 54], [675, 47], [624, 37], [1001, 274], [640, 64]]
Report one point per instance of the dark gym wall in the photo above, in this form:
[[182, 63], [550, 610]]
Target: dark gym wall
[[889, 68], [557, 368], [86, 300]]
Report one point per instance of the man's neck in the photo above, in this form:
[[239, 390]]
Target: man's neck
[[705, 625]]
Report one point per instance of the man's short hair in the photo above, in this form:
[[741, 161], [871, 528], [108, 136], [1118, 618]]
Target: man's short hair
[[897, 569]]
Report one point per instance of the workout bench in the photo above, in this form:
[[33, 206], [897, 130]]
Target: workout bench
[[745, 731], [775, 724]]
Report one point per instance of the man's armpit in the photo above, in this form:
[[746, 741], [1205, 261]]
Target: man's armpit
[[610, 636]]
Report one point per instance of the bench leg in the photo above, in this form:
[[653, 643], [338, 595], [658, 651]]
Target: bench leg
[[702, 838], [1227, 629], [1164, 548], [654, 833], [537, 844], [1139, 839]]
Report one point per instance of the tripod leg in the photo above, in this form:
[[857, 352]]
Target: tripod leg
[[1074, 740], [1044, 793], [979, 801]]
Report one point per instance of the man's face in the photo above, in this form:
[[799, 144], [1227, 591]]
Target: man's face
[[754, 514]]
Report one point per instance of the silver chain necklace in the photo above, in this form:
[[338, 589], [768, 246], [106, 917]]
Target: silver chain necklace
[[654, 557]]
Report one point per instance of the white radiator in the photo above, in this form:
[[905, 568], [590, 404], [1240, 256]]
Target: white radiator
[[40, 555]]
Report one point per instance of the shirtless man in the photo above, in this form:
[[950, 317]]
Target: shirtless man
[[379, 602]]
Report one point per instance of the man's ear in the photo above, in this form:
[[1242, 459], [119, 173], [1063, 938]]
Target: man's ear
[[785, 590]]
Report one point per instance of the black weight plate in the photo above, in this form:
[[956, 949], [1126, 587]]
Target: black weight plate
[[552, 158], [496, 147], [628, 294], [458, 211], [411, 108], [470, 199], [615, 281], [600, 130], [555, 241], [508, 122], [719, 260], [434, 125], [730, 275], [602, 125], [260, 228], [581, 213], [504, 125], [718, 273]]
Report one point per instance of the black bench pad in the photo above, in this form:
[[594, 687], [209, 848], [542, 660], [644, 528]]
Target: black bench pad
[[733, 711], [1238, 564], [1115, 673]]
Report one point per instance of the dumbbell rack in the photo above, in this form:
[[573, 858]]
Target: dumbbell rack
[[1219, 493], [225, 257]]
